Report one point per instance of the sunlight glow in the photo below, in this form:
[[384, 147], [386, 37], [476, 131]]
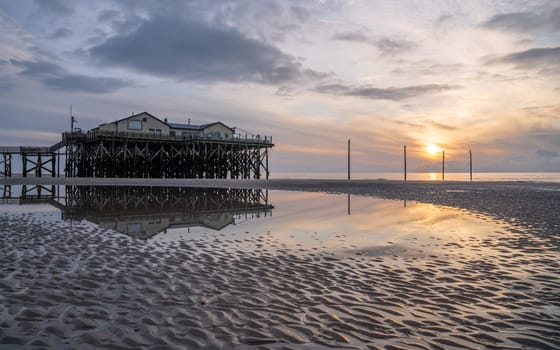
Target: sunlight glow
[[432, 149]]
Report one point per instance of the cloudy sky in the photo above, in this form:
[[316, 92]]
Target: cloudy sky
[[479, 74]]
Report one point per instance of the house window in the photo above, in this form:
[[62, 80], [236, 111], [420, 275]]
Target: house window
[[172, 133], [152, 131], [158, 131], [135, 125], [134, 227]]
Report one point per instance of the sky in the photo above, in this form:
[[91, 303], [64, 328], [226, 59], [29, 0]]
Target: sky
[[481, 75]]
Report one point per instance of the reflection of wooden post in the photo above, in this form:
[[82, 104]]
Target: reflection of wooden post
[[348, 203], [24, 162], [443, 165], [470, 162], [404, 162], [348, 159], [53, 165]]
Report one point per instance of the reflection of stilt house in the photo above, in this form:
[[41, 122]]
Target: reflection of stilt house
[[28, 194], [143, 212], [144, 146]]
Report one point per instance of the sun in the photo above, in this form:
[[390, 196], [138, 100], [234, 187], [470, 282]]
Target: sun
[[432, 149]]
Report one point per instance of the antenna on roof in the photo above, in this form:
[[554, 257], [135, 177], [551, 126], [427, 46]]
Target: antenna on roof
[[72, 120], [189, 123]]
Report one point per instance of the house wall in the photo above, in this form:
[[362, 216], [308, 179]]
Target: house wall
[[217, 221], [147, 122], [218, 130], [138, 226], [186, 133], [112, 127]]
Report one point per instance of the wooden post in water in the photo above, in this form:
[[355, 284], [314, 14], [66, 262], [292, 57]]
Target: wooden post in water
[[443, 165], [470, 162], [348, 159], [404, 162]]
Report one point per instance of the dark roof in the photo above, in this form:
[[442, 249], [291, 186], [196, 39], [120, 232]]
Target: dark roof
[[186, 126], [194, 127]]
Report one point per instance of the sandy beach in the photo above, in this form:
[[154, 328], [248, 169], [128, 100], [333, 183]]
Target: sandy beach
[[70, 285]]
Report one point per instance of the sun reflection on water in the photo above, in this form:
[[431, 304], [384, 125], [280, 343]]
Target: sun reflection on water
[[340, 224]]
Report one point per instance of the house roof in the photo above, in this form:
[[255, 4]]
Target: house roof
[[142, 113]]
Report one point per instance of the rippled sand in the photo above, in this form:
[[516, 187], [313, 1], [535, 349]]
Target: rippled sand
[[75, 285]]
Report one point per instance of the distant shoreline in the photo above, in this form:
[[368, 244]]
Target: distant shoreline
[[256, 183]]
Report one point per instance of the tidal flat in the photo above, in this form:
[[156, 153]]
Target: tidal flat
[[175, 268]]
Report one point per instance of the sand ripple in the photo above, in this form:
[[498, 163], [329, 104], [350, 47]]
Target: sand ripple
[[76, 286]]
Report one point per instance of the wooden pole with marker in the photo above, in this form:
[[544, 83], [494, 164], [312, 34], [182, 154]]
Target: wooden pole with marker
[[470, 162], [404, 162]]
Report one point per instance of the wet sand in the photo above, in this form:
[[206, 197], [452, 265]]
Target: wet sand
[[74, 285]]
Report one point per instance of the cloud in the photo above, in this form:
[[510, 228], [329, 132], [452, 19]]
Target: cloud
[[391, 93], [54, 76], [61, 33], [427, 68], [6, 84], [441, 126], [54, 7], [522, 22], [386, 45], [107, 16], [542, 153], [196, 51], [286, 91], [542, 58], [300, 13]]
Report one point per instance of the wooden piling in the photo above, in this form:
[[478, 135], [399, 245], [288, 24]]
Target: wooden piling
[[110, 155], [443, 165], [348, 159], [404, 162]]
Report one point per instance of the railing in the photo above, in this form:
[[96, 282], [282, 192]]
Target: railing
[[93, 135], [25, 149]]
